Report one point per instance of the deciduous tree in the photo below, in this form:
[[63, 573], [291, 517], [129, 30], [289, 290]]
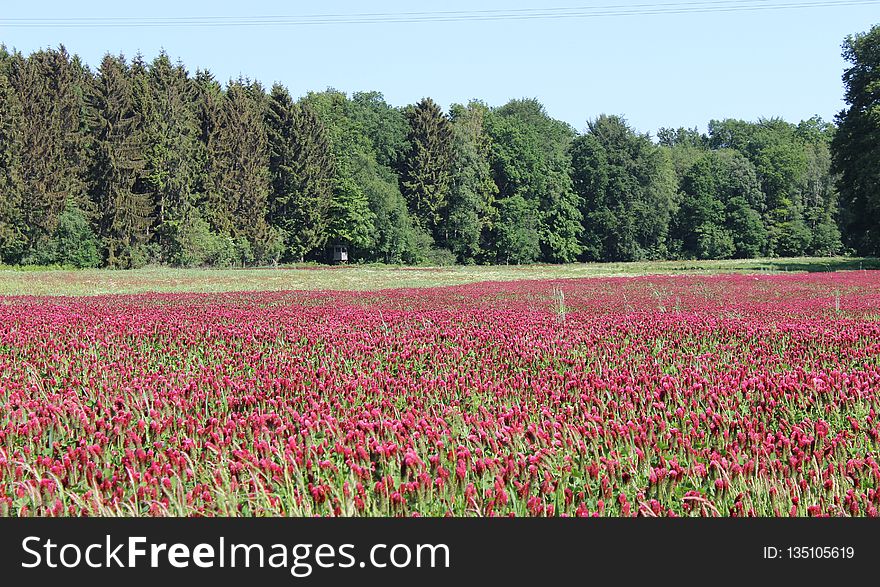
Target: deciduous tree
[[857, 142]]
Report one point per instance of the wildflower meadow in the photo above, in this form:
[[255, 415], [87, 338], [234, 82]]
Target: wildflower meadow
[[692, 395]]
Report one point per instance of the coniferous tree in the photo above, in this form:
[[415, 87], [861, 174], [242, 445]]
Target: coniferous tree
[[301, 166], [219, 208], [183, 169], [208, 98], [12, 229], [241, 175], [165, 100], [163, 166], [49, 85], [426, 169], [118, 143]]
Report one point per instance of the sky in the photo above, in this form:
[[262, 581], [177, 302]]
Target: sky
[[656, 70]]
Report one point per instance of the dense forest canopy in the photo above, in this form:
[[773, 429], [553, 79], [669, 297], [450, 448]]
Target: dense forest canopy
[[139, 162]]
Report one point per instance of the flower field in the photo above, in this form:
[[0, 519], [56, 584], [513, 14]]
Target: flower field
[[731, 395]]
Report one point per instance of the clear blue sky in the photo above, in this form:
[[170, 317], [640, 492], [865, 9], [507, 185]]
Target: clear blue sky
[[656, 70]]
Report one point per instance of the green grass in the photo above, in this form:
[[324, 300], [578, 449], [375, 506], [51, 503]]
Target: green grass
[[373, 277]]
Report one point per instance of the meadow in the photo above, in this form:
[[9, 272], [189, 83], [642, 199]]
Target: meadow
[[529, 391], [18, 281]]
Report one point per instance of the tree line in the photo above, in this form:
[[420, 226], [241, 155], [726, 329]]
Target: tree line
[[140, 162]]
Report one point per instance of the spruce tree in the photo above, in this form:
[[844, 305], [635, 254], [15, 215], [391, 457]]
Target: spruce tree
[[118, 142], [49, 85], [426, 169], [164, 98], [301, 166], [240, 159], [208, 99], [12, 229]]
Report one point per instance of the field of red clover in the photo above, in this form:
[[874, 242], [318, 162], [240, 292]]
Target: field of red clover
[[731, 395]]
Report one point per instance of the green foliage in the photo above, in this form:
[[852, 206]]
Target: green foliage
[[517, 231], [166, 102], [682, 137], [426, 168], [395, 237], [189, 242], [73, 244], [301, 165], [49, 85], [793, 237], [713, 242], [856, 143], [243, 252], [118, 143], [718, 212], [385, 126], [12, 229], [239, 195], [746, 227], [208, 98], [438, 257], [627, 190], [530, 162], [826, 238], [146, 163], [369, 212], [472, 192], [352, 220], [793, 166]]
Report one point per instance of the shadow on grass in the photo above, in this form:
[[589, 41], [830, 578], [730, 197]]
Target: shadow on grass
[[818, 265]]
